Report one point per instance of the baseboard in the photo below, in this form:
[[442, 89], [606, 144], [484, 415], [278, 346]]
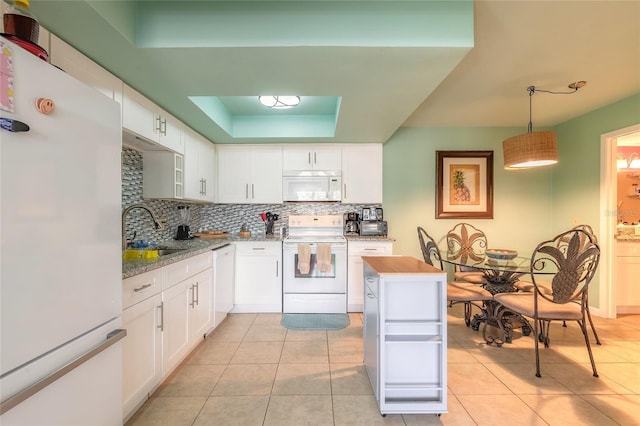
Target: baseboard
[[628, 309]]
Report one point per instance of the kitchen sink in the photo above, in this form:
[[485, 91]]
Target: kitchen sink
[[168, 251]]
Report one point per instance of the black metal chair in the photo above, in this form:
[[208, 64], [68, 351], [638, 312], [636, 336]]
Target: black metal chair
[[545, 287], [572, 257], [457, 292], [466, 242]]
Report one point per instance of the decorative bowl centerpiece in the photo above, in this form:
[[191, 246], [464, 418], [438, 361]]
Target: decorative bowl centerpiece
[[501, 254]]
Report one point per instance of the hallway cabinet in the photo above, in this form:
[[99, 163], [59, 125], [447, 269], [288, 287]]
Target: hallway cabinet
[[405, 334]]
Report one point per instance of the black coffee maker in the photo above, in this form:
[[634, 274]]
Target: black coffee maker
[[352, 224]]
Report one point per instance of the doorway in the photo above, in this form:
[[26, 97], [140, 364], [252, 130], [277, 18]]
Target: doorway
[[609, 217]]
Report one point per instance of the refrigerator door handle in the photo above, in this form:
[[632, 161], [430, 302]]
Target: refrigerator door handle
[[12, 401]]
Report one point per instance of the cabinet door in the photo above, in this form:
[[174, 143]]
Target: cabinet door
[[234, 173], [192, 176], [298, 157], [175, 340], [84, 69], [139, 114], [141, 352], [170, 132], [207, 169], [327, 157], [362, 174], [266, 175], [258, 277], [201, 312]]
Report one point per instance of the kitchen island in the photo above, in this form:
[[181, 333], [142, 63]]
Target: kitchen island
[[405, 334]]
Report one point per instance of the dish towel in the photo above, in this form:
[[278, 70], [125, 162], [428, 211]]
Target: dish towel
[[323, 257], [304, 258]]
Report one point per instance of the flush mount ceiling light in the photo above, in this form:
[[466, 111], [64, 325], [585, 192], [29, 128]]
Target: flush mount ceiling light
[[279, 102], [534, 149]]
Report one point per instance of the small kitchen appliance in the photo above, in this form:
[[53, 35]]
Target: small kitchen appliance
[[184, 232], [352, 226], [373, 228]]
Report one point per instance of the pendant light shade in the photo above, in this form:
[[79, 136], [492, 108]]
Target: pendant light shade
[[534, 149]]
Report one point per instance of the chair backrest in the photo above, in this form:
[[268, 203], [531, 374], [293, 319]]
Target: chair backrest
[[430, 250], [466, 243], [572, 257]]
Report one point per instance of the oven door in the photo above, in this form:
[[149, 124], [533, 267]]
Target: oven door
[[297, 278]]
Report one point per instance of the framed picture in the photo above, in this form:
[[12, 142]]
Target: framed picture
[[464, 184]]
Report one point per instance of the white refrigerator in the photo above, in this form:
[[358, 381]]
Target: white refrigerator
[[60, 255]]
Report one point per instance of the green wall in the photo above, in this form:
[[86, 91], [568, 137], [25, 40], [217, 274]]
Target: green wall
[[529, 205], [576, 178]]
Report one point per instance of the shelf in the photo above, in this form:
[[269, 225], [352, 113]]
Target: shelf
[[412, 338]]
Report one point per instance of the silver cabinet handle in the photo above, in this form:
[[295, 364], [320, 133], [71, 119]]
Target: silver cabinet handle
[[369, 280], [193, 296], [345, 191], [246, 191], [205, 187], [277, 268], [161, 307], [315, 158], [197, 290], [253, 193], [158, 125], [371, 296], [257, 248], [164, 131], [142, 287], [12, 401], [309, 159]]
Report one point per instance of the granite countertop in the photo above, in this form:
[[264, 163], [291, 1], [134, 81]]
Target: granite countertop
[[192, 247]]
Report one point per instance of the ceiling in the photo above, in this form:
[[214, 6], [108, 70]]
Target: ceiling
[[372, 66]]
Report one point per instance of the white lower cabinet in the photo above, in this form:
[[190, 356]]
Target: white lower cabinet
[[258, 273], [166, 313], [627, 273], [405, 334], [142, 348], [355, 251]]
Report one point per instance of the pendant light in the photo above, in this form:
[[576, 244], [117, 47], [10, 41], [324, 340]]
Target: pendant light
[[533, 149]]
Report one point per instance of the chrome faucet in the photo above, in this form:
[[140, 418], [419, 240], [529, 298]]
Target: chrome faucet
[[157, 223]]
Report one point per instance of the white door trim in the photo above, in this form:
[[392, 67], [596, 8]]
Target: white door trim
[[609, 219]]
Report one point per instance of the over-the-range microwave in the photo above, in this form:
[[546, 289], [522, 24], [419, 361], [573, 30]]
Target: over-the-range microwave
[[311, 185]]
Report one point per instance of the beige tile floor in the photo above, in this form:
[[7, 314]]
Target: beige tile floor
[[253, 371]]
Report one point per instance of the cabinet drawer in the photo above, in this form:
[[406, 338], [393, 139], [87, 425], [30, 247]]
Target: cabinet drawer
[[258, 248], [140, 287], [367, 248], [180, 271]]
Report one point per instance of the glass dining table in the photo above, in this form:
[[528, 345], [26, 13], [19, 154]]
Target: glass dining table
[[500, 276]]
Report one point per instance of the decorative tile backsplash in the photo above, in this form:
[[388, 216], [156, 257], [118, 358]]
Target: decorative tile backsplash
[[226, 217]]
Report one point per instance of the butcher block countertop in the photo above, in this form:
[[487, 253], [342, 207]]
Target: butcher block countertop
[[385, 265]]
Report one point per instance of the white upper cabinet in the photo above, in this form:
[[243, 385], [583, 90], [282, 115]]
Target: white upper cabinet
[[311, 157], [362, 173], [84, 69], [249, 174], [143, 118], [199, 167]]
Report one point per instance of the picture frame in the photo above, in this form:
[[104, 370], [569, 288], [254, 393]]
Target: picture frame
[[464, 184]]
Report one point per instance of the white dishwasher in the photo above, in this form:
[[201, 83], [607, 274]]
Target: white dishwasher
[[223, 282]]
